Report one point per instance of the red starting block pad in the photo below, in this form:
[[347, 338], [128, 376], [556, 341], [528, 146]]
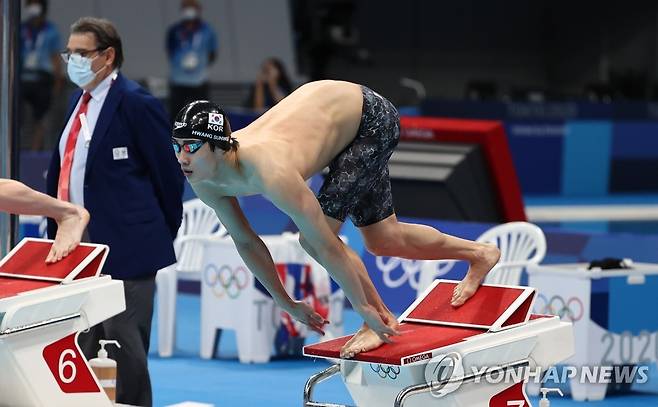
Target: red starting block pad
[[43, 307], [413, 338], [431, 322], [492, 307], [28, 261], [492, 330]]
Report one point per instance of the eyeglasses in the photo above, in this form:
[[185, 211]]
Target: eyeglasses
[[189, 147], [67, 54]]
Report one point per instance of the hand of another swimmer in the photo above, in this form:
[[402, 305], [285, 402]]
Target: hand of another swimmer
[[379, 323], [305, 314]]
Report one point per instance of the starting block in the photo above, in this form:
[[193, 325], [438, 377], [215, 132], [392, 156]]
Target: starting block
[[479, 354], [43, 307]]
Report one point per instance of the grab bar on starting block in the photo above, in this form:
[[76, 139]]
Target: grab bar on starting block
[[404, 393], [51, 321], [315, 379], [424, 388]]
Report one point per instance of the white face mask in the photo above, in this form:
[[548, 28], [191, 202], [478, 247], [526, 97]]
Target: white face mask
[[79, 70], [189, 13], [33, 10]]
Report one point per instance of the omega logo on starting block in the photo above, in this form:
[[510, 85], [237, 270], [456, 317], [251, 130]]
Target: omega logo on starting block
[[417, 358]]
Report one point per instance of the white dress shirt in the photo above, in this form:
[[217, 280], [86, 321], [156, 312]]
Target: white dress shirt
[[98, 94]]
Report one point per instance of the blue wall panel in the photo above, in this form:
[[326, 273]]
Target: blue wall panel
[[635, 140], [586, 158], [537, 153]]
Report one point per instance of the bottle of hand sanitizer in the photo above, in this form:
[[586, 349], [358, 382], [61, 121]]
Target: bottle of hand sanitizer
[[544, 402], [105, 369]]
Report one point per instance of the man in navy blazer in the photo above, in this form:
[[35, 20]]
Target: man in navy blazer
[[115, 159]]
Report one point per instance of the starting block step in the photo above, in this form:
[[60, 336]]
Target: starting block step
[[432, 323]]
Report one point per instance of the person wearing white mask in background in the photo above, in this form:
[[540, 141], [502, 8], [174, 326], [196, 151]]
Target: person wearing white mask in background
[[41, 70], [191, 49], [114, 159]]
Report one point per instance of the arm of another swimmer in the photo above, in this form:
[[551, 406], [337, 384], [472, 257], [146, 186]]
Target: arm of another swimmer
[[251, 248]]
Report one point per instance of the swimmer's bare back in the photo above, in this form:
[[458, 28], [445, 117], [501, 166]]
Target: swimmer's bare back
[[309, 127]]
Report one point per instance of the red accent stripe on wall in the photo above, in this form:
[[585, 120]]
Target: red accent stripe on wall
[[491, 137]]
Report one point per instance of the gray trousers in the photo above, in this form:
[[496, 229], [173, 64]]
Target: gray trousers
[[132, 329]]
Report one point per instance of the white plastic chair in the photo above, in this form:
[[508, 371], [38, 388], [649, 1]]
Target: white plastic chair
[[198, 224], [250, 313], [520, 243]]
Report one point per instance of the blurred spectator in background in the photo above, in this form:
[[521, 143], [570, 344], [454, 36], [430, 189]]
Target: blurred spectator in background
[[191, 48], [272, 85], [325, 29], [41, 73]]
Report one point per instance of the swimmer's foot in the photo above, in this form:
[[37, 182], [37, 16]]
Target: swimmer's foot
[[364, 340], [70, 228], [487, 257]]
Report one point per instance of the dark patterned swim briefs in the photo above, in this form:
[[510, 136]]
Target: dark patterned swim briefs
[[357, 184]]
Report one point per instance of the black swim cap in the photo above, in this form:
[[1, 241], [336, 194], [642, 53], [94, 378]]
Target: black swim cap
[[204, 120]]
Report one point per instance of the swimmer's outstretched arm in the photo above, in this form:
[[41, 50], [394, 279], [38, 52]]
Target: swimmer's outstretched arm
[[293, 196], [256, 256], [72, 220]]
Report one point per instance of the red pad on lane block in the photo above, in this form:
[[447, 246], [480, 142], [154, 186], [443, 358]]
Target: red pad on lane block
[[484, 308], [31, 261], [492, 307], [13, 286], [414, 338]]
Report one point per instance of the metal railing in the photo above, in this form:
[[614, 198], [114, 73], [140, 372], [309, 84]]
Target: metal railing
[[406, 392]]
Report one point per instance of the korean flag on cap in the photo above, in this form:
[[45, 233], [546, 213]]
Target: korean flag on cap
[[216, 118]]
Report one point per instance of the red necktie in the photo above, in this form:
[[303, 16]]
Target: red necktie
[[63, 186]]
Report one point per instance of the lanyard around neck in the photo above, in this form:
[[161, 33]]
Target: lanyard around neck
[[84, 125]]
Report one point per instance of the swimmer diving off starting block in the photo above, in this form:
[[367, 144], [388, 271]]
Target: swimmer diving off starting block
[[353, 131]]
